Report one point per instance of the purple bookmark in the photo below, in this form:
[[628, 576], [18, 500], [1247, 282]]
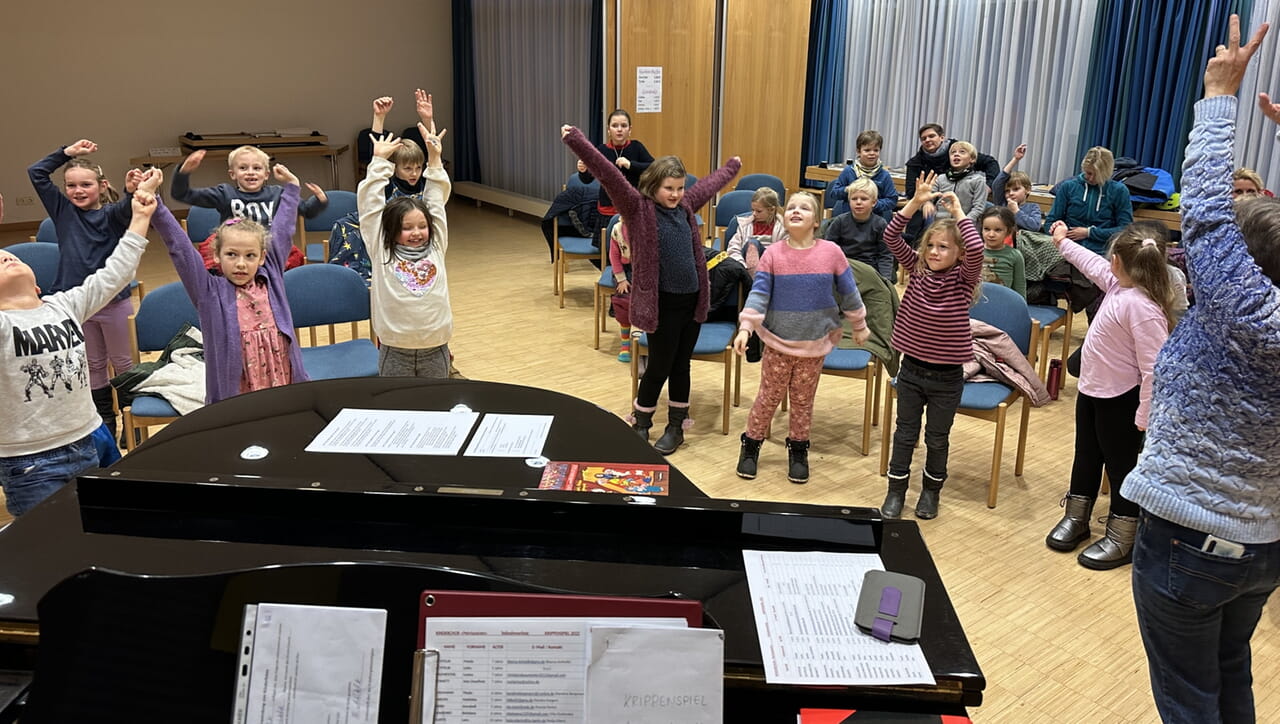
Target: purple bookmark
[[890, 601]]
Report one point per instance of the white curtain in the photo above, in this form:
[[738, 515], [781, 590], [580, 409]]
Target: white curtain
[[1256, 144], [532, 65], [995, 73]]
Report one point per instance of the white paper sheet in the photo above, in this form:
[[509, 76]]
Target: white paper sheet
[[804, 603], [500, 670], [310, 664], [649, 89], [656, 675], [395, 432], [510, 436]]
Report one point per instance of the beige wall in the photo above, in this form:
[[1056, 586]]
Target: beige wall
[[134, 76]]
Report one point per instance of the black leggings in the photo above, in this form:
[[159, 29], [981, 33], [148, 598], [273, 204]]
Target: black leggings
[[1106, 438], [670, 349]]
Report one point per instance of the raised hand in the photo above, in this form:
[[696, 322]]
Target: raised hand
[[432, 139], [83, 147], [924, 188], [144, 203], [382, 106], [318, 192], [150, 180], [422, 104], [131, 179], [1226, 68], [952, 203], [564, 130], [192, 162], [1020, 152], [384, 146], [283, 174]]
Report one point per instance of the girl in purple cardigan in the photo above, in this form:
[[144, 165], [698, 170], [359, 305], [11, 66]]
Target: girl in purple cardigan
[[669, 288], [244, 312]]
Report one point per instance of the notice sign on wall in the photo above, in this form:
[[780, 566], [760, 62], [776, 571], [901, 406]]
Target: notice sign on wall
[[649, 89]]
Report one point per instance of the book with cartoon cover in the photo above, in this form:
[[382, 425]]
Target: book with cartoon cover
[[627, 478]]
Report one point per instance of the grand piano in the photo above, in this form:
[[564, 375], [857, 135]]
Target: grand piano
[[124, 590]]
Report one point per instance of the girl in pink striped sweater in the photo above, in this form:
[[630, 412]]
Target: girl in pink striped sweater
[[932, 332]]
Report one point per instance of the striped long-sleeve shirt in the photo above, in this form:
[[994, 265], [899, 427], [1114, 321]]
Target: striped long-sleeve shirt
[[933, 321], [798, 296]]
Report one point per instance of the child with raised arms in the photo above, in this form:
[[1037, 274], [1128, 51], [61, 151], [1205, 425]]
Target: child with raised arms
[[1013, 189], [247, 196], [50, 422], [408, 238], [89, 219], [670, 289], [249, 342], [802, 288], [932, 332]]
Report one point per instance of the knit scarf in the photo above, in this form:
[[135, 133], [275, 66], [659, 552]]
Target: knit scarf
[[955, 174], [867, 172], [942, 150], [412, 253]]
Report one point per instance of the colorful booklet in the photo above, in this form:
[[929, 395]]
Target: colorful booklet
[[629, 478]]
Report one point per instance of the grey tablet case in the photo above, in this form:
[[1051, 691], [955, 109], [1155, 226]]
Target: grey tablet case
[[890, 606]]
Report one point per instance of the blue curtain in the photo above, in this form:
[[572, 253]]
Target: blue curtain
[[466, 154], [1147, 71], [824, 95], [595, 128]]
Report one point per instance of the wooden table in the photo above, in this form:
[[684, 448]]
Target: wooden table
[[276, 152], [1171, 219]]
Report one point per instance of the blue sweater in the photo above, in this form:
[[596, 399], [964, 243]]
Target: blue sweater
[[85, 238], [231, 202], [1212, 455]]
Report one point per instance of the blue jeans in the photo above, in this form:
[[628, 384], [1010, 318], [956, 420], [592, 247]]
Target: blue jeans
[[29, 479], [1197, 612]]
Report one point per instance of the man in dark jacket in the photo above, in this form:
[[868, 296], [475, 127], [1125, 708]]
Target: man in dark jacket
[[934, 155]]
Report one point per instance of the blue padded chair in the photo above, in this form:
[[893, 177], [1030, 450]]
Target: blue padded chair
[[1050, 319], [753, 181], [340, 204], [1005, 309], [728, 207], [43, 259], [46, 232], [332, 294], [200, 222], [859, 364], [160, 316], [715, 344], [605, 285], [572, 247]]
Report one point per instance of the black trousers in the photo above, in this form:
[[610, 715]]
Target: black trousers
[[936, 395], [670, 349], [1106, 438]]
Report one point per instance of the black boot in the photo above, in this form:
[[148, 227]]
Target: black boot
[[642, 422], [105, 404], [927, 505], [896, 497], [748, 456], [673, 436], [798, 460]]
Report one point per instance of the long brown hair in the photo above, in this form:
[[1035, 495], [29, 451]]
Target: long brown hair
[[1140, 246], [393, 221]]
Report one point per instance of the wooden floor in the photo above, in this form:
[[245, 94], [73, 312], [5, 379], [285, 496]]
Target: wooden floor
[[1057, 642]]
